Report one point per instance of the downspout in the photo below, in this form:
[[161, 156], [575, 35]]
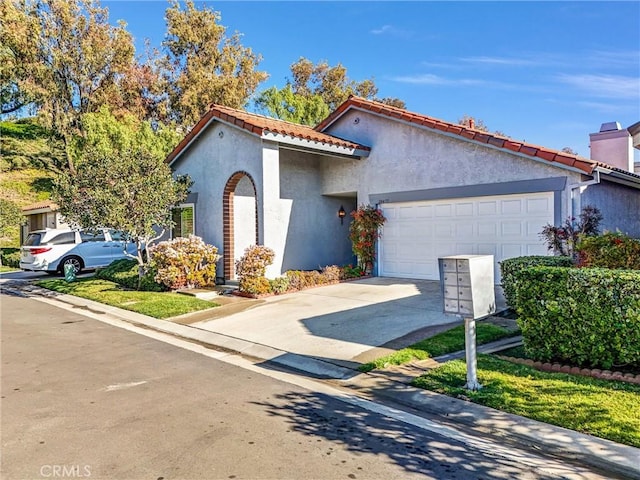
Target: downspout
[[581, 186]]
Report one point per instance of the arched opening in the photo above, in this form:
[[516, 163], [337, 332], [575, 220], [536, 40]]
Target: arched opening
[[240, 213]]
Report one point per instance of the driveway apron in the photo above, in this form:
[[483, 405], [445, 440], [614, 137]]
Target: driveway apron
[[339, 322]]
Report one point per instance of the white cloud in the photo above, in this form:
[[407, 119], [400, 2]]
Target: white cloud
[[606, 86], [506, 61], [381, 30], [431, 79], [392, 30]]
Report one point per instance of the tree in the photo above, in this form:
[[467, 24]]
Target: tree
[[202, 65], [315, 90], [65, 58], [471, 122], [122, 181], [569, 150], [286, 105], [10, 218]]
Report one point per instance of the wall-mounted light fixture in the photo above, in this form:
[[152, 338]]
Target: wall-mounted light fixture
[[342, 214]]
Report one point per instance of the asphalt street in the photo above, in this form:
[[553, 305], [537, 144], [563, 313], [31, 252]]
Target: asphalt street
[[84, 399]]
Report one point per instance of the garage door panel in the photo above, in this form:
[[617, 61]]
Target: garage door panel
[[510, 228], [511, 207], [464, 230], [538, 205], [464, 210], [416, 234], [487, 207]]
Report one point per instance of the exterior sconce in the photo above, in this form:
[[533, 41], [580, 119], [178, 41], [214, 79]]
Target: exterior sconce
[[342, 214]]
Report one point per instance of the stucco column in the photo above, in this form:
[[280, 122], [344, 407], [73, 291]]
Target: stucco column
[[272, 229]]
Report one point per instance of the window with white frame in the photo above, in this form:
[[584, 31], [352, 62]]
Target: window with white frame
[[183, 217]]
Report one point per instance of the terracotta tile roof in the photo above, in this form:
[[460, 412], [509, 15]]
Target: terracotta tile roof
[[261, 125], [552, 156], [40, 205]]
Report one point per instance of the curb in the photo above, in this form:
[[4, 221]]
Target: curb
[[557, 441]]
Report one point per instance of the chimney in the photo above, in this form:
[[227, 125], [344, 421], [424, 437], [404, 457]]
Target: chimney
[[612, 145]]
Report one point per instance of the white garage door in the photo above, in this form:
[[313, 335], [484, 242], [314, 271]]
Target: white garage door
[[416, 234]]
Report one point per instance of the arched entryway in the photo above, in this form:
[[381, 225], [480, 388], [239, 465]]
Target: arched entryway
[[240, 212]]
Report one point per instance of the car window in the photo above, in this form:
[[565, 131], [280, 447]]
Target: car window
[[92, 237], [33, 239], [118, 236], [63, 238]]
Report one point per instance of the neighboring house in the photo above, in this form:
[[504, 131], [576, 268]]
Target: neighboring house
[[39, 216], [444, 188]]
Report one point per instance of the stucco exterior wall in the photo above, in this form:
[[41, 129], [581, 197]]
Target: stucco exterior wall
[[314, 236], [405, 157], [210, 161], [619, 205], [294, 218]]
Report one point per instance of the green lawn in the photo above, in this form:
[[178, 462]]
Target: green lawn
[[154, 304], [4, 269], [446, 342], [606, 409]]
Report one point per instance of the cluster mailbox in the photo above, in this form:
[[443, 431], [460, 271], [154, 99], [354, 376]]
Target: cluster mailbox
[[468, 290], [468, 285]]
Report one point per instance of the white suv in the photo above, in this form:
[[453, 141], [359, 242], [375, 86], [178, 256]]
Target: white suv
[[50, 250]]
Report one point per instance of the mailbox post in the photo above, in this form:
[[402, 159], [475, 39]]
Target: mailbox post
[[468, 290]]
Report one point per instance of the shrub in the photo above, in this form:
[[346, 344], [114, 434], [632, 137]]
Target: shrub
[[331, 273], [609, 250], [301, 279], [255, 261], [511, 266], [185, 262], [10, 257], [279, 285], [350, 271], [255, 285], [563, 240], [125, 272], [583, 316], [364, 231]]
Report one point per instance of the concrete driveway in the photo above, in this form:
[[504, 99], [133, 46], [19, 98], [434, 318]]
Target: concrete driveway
[[343, 323]]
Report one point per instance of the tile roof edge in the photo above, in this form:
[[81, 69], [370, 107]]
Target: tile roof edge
[[242, 119], [497, 141]]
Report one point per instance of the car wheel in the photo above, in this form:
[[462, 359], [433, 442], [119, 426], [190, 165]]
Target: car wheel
[[77, 263]]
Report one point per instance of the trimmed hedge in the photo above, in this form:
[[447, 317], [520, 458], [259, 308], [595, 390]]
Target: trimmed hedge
[[125, 272], [512, 266], [583, 316]]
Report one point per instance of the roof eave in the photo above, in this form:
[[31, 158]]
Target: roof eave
[[310, 144], [623, 178]]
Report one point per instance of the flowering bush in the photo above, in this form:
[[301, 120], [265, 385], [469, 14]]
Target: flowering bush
[[185, 262], [563, 240], [364, 231], [255, 285], [609, 250], [251, 268]]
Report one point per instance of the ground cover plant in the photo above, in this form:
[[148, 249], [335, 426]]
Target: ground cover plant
[[446, 342], [607, 409], [125, 273], [154, 304]]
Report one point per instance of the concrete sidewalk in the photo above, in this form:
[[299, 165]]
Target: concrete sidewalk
[[388, 387]]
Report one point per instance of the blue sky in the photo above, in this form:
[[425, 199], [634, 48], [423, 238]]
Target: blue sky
[[548, 73]]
